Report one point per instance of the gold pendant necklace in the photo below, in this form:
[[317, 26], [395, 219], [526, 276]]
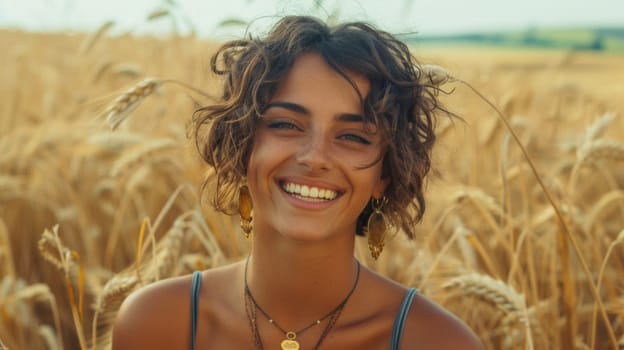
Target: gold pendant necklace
[[291, 343]]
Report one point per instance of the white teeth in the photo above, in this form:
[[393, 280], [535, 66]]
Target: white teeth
[[314, 192], [309, 192]]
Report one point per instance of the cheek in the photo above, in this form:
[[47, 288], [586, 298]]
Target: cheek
[[256, 151], [376, 183], [264, 157]]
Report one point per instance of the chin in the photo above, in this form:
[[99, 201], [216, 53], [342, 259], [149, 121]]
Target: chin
[[311, 232]]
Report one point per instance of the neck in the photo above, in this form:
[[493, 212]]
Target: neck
[[289, 279]]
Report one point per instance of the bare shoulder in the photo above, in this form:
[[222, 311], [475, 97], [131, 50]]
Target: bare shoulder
[[155, 316], [429, 326]]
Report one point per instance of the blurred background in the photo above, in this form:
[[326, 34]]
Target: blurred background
[[524, 232], [529, 22]]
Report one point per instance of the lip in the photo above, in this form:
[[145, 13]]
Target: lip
[[310, 205]]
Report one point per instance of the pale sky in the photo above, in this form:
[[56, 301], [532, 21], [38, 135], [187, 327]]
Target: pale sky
[[428, 17]]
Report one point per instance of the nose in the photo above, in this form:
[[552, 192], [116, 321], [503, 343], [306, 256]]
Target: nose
[[313, 152]]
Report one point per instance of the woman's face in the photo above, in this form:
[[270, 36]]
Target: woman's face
[[309, 172]]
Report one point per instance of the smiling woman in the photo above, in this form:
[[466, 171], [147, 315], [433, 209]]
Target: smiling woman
[[313, 137], [327, 131]]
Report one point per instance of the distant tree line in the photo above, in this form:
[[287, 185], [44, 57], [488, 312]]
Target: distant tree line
[[531, 38]]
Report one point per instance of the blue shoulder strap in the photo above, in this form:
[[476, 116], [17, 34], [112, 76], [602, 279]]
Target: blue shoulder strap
[[399, 322], [194, 301]]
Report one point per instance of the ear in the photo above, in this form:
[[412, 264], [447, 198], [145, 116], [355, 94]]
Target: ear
[[380, 187]]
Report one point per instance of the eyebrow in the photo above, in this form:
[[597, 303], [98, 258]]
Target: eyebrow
[[299, 109]]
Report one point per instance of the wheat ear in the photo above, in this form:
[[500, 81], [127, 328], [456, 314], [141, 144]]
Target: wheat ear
[[598, 126], [113, 293], [67, 260], [124, 104], [601, 149], [496, 293], [127, 102], [40, 292], [488, 289]]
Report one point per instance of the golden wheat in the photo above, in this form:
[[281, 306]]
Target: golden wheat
[[601, 149], [488, 213], [51, 341], [492, 291], [127, 102], [93, 38], [598, 127], [51, 249], [140, 152]]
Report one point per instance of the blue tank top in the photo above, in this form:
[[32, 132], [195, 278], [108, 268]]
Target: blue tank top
[[397, 329]]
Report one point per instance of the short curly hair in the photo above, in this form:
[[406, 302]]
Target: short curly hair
[[398, 103]]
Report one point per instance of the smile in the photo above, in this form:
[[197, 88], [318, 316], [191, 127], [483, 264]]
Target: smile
[[309, 193]]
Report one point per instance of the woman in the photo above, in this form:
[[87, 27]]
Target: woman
[[326, 132]]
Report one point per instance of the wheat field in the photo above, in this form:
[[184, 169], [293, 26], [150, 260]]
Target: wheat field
[[523, 237]]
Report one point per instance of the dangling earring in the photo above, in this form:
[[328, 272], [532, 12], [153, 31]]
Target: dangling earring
[[376, 228], [245, 206]]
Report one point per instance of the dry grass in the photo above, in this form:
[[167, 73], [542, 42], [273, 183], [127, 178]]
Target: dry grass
[[530, 254]]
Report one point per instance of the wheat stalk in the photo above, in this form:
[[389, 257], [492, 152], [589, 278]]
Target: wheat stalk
[[91, 40], [597, 127], [158, 13], [142, 151], [485, 205], [192, 262], [169, 247], [49, 249], [495, 292], [459, 230], [49, 337], [114, 142], [618, 240], [601, 149], [600, 207], [67, 260], [10, 187], [5, 250], [127, 69], [127, 102], [112, 295], [479, 196], [488, 289], [114, 291], [38, 292]]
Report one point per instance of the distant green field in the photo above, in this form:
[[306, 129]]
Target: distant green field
[[590, 39]]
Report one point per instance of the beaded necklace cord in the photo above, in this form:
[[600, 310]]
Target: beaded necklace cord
[[290, 342]]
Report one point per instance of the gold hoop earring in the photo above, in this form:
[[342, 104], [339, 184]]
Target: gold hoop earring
[[376, 228], [245, 207]]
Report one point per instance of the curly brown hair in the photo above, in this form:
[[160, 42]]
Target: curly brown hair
[[399, 104]]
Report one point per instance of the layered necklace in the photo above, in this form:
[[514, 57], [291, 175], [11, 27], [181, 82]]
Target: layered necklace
[[290, 341]]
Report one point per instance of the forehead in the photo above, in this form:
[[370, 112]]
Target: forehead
[[312, 76]]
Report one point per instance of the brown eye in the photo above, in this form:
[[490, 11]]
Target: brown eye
[[282, 125], [355, 138]]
